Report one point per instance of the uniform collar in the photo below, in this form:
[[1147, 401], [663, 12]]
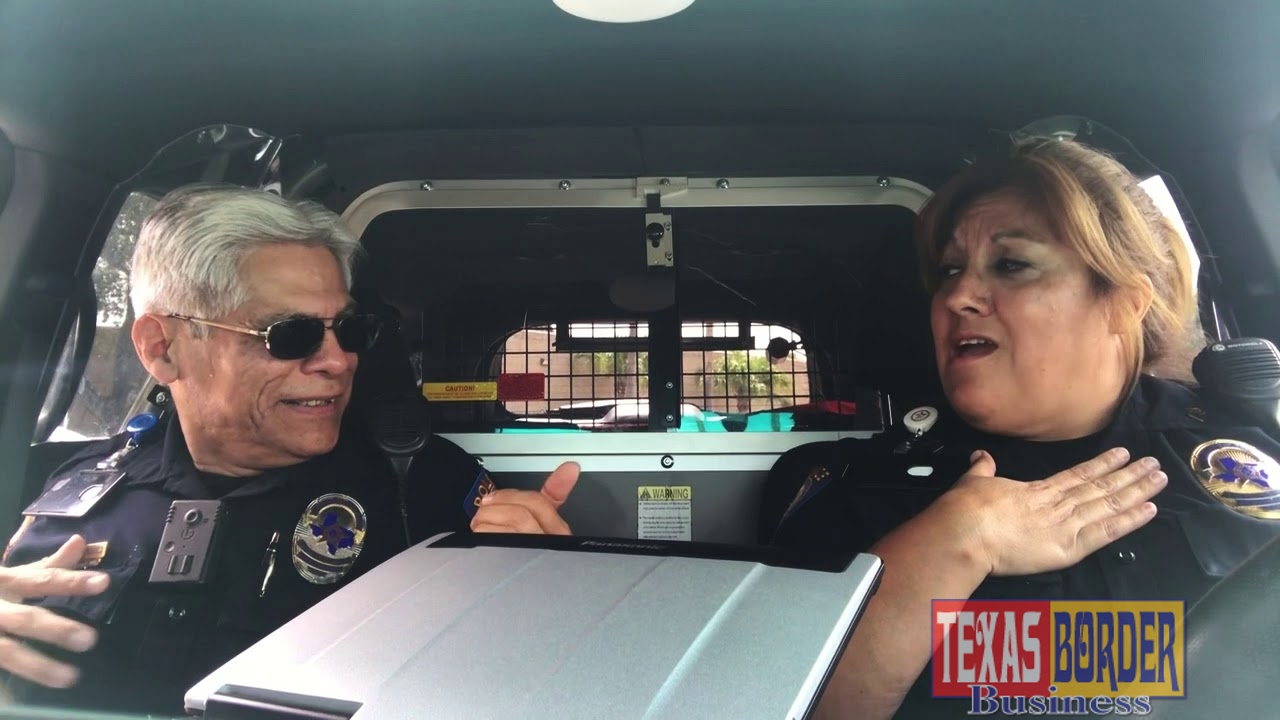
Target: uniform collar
[[1153, 404], [1156, 404], [142, 467], [176, 472]]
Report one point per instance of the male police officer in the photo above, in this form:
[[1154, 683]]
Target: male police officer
[[172, 548]]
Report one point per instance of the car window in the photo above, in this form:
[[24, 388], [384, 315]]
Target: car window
[[747, 379], [603, 383], [1159, 192], [114, 381]]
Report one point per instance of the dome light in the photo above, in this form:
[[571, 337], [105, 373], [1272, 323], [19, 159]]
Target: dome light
[[623, 11]]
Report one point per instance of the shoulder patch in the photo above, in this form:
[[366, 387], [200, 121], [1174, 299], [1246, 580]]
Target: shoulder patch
[[483, 486], [1239, 476]]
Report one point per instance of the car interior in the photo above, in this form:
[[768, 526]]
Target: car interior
[[670, 250]]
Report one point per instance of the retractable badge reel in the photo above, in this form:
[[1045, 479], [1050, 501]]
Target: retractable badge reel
[[917, 422], [74, 495]]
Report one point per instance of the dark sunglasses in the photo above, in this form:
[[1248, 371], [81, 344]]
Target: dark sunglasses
[[300, 337]]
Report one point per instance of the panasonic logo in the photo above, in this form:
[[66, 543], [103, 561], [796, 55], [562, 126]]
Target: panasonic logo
[[621, 546]]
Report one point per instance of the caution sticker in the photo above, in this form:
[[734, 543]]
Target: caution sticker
[[460, 391], [665, 512]]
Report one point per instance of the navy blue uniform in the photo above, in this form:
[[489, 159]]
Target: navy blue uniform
[[1221, 505], [157, 640]]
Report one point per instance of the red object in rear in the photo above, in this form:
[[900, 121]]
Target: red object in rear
[[522, 386]]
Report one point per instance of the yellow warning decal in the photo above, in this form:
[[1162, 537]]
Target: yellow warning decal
[[460, 391], [664, 492]]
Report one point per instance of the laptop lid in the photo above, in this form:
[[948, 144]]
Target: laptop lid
[[523, 626]]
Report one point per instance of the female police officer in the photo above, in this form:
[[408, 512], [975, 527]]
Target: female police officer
[[1059, 294]]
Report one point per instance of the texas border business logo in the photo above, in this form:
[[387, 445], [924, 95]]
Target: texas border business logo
[[1051, 657]]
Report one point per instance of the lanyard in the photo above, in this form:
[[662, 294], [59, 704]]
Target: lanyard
[[139, 427]]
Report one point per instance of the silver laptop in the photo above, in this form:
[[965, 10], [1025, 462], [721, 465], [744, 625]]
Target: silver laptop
[[528, 627]]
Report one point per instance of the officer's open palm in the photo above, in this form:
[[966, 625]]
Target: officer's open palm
[[529, 511], [1024, 528], [52, 576]]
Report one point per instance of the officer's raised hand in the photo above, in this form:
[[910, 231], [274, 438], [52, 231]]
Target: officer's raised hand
[[51, 576], [529, 511], [1023, 528]]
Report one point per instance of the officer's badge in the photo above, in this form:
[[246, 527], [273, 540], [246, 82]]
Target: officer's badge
[[328, 538], [1240, 476]]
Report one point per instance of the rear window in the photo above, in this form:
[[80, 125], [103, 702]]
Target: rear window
[[602, 383], [563, 312]]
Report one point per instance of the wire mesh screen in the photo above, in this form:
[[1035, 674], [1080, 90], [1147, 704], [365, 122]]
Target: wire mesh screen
[[602, 381], [747, 379]]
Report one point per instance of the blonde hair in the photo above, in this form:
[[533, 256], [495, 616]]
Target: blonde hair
[[1096, 207]]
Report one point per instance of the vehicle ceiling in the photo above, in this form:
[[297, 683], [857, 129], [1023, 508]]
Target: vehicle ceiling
[[107, 83]]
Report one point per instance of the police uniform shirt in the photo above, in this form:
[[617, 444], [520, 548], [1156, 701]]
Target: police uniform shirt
[[157, 640], [1221, 505], [1222, 502]]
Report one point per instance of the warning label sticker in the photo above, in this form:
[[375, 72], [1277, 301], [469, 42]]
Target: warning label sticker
[[665, 512], [460, 391]]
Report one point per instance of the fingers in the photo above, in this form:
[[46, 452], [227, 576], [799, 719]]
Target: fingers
[[522, 511], [488, 528], [67, 556], [35, 580], [22, 661], [492, 528], [1113, 527], [1129, 488], [1107, 506], [982, 464], [560, 483], [505, 519], [35, 623], [525, 511], [1090, 470], [1109, 484], [1117, 490], [18, 622], [26, 662]]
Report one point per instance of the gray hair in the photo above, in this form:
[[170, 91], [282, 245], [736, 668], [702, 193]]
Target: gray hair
[[192, 247]]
